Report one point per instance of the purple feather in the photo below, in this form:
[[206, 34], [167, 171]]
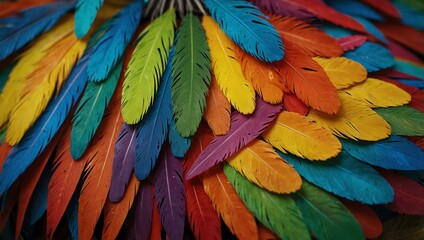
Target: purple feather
[[170, 193], [284, 8], [143, 212], [244, 129], [123, 162]]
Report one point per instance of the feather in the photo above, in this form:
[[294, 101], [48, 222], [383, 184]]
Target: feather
[[123, 162], [417, 101], [411, 15], [335, 31], [156, 228], [190, 75], [342, 71], [404, 120], [30, 23], [85, 13], [305, 78], [98, 171], [294, 104], [241, 20], [228, 204], [90, 111], [372, 56], [227, 70], [4, 75], [345, 177], [392, 153], [8, 203], [113, 42], [153, 129], [146, 67], [349, 43], [403, 227], [115, 213], [310, 40], [260, 164], [384, 6], [243, 130], [356, 9], [170, 192], [409, 195], [371, 28], [71, 215], [325, 216], [409, 67], [5, 149], [179, 145], [400, 51], [218, 110], [367, 218], [266, 234], [37, 138], [354, 121], [41, 84], [302, 137], [263, 76], [142, 220], [276, 212]]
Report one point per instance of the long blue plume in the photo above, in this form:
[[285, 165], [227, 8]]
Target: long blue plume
[[344, 176], [371, 28], [153, 129], [248, 27], [179, 144], [335, 31], [21, 29], [410, 15], [38, 204], [418, 83], [112, 44], [355, 9], [372, 56], [71, 214], [86, 12]]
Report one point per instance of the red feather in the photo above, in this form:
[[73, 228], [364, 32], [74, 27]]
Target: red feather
[[349, 43], [400, 51], [156, 228], [294, 104], [384, 6], [419, 141], [403, 34], [4, 152], [417, 101], [366, 217]]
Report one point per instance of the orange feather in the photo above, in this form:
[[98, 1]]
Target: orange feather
[[4, 152], [266, 234], [156, 228], [294, 104]]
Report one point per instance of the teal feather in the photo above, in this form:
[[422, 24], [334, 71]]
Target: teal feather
[[85, 13], [179, 144], [409, 68]]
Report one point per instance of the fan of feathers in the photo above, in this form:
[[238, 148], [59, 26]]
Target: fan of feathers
[[212, 119]]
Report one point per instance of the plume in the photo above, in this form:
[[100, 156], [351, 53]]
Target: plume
[[385, 7], [142, 219], [351, 42], [381, 57], [179, 144], [367, 218], [294, 104], [85, 13], [404, 120]]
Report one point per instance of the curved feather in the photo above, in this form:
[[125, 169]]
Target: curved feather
[[342, 71], [356, 9], [227, 70], [145, 69], [294, 104], [302, 137], [241, 20], [405, 35], [142, 219], [112, 43], [411, 15], [179, 144], [85, 13], [351, 42], [384, 6], [190, 75], [345, 177], [277, 212], [71, 215], [406, 66], [371, 28], [243, 130], [266, 234], [404, 120], [367, 218], [90, 111], [260, 164], [372, 56]]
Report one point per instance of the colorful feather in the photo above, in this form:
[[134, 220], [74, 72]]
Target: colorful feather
[[190, 75], [356, 9], [227, 70], [302, 137], [371, 28], [292, 103], [372, 56], [145, 69], [409, 67], [156, 228], [384, 6], [179, 144], [71, 216], [351, 42], [403, 227], [243, 130], [85, 13], [404, 35], [142, 220], [4, 75], [367, 218], [404, 120]]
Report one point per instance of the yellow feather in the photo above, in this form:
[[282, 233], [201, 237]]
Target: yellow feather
[[355, 120], [27, 64], [302, 137], [342, 71], [227, 69], [259, 163], [376, 93]]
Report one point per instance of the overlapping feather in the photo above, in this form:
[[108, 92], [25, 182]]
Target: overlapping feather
[[403, 120], [85, 13]]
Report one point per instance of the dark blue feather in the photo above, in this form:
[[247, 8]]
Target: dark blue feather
[[335, 31], [112, 44], [153, 128], [371, 28], [179, 144], [418, 83], [410, 15], [38, 204], [19, 30], [355, 8], [248, 28], [85, 13], [372, 56], [392, 153], [71, 215], [344, 176]]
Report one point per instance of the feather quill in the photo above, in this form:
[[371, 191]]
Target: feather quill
[[372, 56], [367, 218], [85, 13], [142, 220], [179, 144], [404, 120]]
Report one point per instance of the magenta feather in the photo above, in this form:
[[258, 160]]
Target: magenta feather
[[143, 212]]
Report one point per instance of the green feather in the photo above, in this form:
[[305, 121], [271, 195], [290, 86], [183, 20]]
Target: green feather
[[404, 120], [325, 216], [146, 66], [90, 110], [2, 135], [277, 212], [190, 75]]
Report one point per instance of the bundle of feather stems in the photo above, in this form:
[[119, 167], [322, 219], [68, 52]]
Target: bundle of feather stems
[[212, 119]]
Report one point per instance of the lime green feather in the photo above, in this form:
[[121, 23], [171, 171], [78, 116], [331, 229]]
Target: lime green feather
[[146, 66], [190, 75], [325, 216], [275, 211], [404, 120]]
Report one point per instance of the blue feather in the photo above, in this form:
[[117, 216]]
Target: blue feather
[[20, 30], [409, 68], [71, 215], [248, 27], [418, 83], [179, 144], [355, 9], [154, 127], [371, 28], [410, 16], [344, 176], [86, 12], [38, 204], [4, 75], [372, 56], [112, 44], [335, 31], [392, 153]]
